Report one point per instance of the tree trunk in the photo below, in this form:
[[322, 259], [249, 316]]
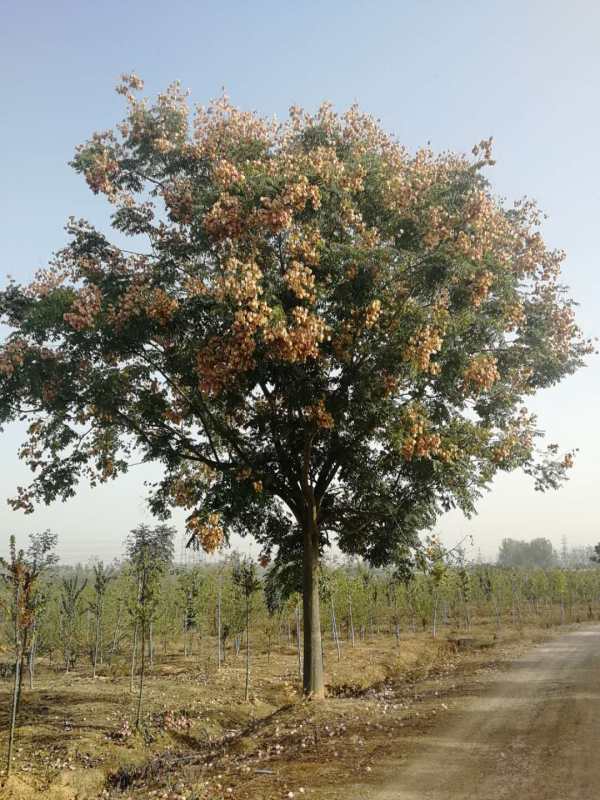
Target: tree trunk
[[17, 683], [142, 671], [150, 645], [24, 645], [435, 610], [133, 648], [313, 683], [298, 642], [219, 652], [13, 713], [67, 652], [115, 638], [336, 635], [351, 620], [31, 658], [496, 612], [88, 640], [247, 692], [96, 645]]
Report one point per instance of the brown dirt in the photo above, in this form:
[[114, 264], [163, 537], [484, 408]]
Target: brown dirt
[[532, 733]]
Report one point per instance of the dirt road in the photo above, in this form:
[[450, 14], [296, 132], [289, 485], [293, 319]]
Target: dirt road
[[534, 734]]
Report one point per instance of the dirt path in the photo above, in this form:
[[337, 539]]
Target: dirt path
[[534, 734]]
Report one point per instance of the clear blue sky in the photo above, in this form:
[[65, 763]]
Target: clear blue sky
[[450, 73]]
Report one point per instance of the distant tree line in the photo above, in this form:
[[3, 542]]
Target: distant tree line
[[540, 553]]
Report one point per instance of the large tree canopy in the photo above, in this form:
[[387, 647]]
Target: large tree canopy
[[317, 333]]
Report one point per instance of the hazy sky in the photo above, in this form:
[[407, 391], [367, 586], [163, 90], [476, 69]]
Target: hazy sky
[[451, 73]]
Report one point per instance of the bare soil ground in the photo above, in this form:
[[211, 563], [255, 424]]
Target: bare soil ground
[[533, 733], [423, 719]]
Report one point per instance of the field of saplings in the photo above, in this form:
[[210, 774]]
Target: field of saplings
[[148, 678]]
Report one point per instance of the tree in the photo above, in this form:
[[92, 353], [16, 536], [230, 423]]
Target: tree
[[189, 584], [70, 609], [316, 333], [536, 553], [327, 592], [247, 583], [22, 572], [102, 578], [150, 551]]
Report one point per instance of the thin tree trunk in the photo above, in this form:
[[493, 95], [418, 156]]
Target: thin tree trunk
[[298, 645], [219, 653], [142, 673], [351, 620], [24, 643], [68, 651], [31, 659], [150, 645], [13, 713], [113, 645], [313, 682], [247, 692], [88, 634], [96, 645], [335, 631], [496, 612], [133, 649], [15, 697]]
